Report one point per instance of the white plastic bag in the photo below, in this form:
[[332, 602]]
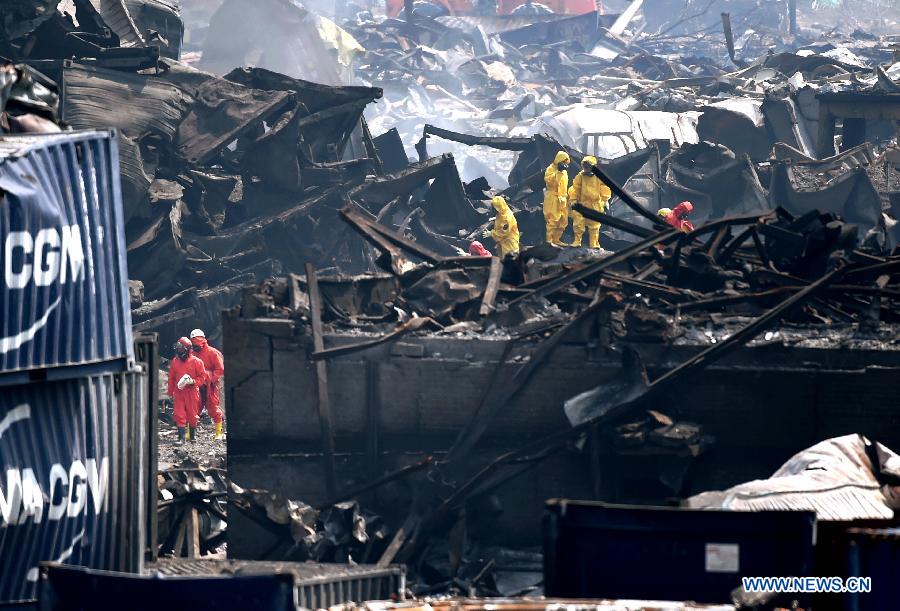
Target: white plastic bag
[[185, 380]]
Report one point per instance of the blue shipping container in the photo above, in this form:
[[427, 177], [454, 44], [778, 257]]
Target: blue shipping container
[[600, 550], [64, 303], [72, 470]]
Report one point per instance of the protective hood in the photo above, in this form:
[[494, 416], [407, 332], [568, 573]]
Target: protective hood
[[589, 159], [561, 157], [499, 205], [199, 340]]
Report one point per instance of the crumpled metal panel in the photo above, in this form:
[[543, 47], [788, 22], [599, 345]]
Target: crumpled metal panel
[[834, 478], [117, 17], [64, 295], [223, 110]]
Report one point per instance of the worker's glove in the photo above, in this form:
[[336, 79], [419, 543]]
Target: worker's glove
[[486, 233], [185, 381]]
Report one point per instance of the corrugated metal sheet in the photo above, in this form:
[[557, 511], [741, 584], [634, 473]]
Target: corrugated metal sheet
[[72, 456], [492, 24], [834, 478], [318, 585], [64, 288], [117, 17]]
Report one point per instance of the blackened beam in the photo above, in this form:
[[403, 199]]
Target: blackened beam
[[356, 220], [334, 111], [626, 197], [617, 223], [499, 395], [381, 481], [327, 431], [413, 324], [490, 291], [163, 319], [592, 269], [503, 144], [371, 151], [398, 240], [747, 333], [837, 290], [652, 288], [545, 446]]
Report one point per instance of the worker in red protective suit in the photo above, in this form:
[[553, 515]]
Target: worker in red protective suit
[[677, 216], [186, 376], [477, 249], [215, 369]]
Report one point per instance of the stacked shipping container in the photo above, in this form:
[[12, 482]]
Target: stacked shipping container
[[73, 405]]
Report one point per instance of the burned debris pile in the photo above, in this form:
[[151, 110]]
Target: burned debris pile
[[234, 177]]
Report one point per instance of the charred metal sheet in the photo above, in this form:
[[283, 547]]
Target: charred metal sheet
[[146, 110], [119, 20], [222, 112], [327, 115], [391, 152], [583, 28]]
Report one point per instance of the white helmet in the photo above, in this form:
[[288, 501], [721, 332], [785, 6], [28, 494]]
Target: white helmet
[[197, 333]]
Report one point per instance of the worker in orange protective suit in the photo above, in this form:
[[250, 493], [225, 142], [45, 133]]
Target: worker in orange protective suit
[[506, 230], [186, 375], [556, 214], [590, 192], [215, 369], [677, 216]]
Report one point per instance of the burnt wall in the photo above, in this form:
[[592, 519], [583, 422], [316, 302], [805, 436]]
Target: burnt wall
[[762, 405]]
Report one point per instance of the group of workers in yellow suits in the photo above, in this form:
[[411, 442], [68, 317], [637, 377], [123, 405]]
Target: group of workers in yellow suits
[[586, 189]]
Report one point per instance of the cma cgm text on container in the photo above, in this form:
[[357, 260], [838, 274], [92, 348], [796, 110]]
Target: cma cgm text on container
[[72, 456], [64, 287]]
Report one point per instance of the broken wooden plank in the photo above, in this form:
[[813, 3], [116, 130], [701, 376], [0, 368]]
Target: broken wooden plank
[[403, 533], [327, 431], [729, 35], [625, 18], [490, 291], [193, 533]]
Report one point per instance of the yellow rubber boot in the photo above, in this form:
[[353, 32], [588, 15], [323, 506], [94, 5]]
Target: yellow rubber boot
[[594, 239], [558, 232], [219, 434]]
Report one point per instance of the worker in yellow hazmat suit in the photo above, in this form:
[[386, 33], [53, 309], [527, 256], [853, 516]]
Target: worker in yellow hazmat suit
[[506, 230], [590, 192], [556, 213]]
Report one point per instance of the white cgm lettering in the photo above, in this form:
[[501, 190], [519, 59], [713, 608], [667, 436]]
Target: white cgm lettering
[[98, 483], [46, 257], [20, 241], [72, 253], [77, 488], [49, 256], [67, 492], [58, 476]]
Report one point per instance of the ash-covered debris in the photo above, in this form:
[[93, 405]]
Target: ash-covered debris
[[234, 175], [343, 532], [192, 506]]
